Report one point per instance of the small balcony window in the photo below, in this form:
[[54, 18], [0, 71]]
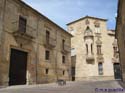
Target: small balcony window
[[87, 49], [47, 71], [63, 59], [22, 24], [47, 55], [47, 36], [63, 72], [98, 49], [63, 43], [97, 27]]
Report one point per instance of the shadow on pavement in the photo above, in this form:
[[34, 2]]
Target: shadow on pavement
[[120, 82]]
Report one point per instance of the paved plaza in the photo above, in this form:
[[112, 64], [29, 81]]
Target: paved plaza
[[71, 87]]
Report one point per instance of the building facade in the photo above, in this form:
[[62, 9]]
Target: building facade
[[73, 67], [33, 49], [94, 48], [120, 35]]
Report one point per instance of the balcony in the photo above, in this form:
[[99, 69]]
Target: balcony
[[66, 49], [98, 34], [23, 31], [115, 60], [49, 42], [100, 58], [88, 34], [89, 57], [99, 42]]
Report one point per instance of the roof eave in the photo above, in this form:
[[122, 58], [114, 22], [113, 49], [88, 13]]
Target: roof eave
[[85, 18]]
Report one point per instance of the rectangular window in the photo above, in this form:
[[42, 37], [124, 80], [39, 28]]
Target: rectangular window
[[73, 71], [63, 43], [63, 72], [97, 30], [91, 48], [47, 55], [98, 49], [47, 36], [63, 59], [100, 68], [22, 24], [73, 51], [86, 48], [47, 71], [115, 51]]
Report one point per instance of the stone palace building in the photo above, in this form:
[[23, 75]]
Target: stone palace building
[[33, 49], [94, 50]]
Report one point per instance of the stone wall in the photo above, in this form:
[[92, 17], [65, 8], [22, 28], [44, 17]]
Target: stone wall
[[86, 69], [120, 35], [37, 24]]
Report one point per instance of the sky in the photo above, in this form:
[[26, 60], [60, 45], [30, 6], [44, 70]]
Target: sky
[[66, 11]]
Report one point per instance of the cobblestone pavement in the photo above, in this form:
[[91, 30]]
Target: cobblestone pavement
[[71, 87]]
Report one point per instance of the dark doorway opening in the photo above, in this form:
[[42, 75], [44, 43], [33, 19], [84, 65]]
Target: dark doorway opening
[[117, 71], [73, 73], [18, 67], [73, 78]]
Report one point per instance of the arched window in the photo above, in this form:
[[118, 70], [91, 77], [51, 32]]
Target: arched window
[[88, 31], [91, 48], [87, 28], [86, 48], [98, 49]]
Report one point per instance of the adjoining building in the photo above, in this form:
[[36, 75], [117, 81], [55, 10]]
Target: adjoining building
[[33, 49], [73, 67], [120, 35], [94, 50]]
